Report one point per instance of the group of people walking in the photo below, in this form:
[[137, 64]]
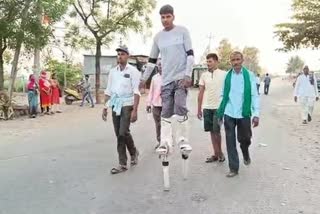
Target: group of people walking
[[238, 107], [49, 92]]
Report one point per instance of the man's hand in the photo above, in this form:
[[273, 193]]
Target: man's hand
[[187, 82], [255, 122], [148, 109], [134, 116], [104, 114], [317, 98], [295, 98], [142, 84], [199, 115]]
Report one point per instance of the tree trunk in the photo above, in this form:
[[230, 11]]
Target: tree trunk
[[3, 47], [14, 69], [1, 72], [98, 72], [20, 38]]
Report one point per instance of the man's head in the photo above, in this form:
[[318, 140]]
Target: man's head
[[159, 66], [306, 70], [86, 76], [167, 16], [212, 61], [236, 59], [267, 74], [123, 55]]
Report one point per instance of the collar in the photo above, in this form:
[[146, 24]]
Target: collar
[[213, 70], [233, 71], [119, 69]]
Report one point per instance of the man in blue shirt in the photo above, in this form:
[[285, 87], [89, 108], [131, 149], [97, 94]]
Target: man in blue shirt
[[240, 102]]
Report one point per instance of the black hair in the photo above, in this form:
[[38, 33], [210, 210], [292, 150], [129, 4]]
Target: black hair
[[166, 9], [213, 56]]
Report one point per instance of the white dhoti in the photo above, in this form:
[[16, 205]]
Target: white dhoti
[[307, 105]]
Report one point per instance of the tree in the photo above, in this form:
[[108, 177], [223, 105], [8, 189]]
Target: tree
[[103, 19], [304, 30], [251, 59], [73, 72], [20, 27], [9, 10], [294, 65], [224, 51]]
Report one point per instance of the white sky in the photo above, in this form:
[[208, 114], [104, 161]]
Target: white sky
[[242, 22]]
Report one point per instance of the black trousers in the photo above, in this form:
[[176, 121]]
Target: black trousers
[[240, 128], [121, 126], [266, 89]]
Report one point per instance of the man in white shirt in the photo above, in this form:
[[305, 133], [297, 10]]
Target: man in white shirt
[[306, 92], [209, 98], [122, 96]]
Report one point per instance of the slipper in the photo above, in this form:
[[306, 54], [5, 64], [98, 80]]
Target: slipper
[[119, 169], [212, 159], [222, 158], [134, 159]]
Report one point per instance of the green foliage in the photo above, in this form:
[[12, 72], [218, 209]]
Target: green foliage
[[304, 30], [73, 72], [251, 59], [294, 65], [103, 19], [250, 54], [224, 51]]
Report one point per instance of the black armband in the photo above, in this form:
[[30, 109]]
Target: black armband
[[190, 53], [152, 60]]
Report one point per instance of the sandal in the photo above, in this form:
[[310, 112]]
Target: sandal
[[212, 158], [119, 169], [222, 158], [134, 159]]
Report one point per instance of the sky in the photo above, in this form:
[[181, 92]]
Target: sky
[[242, 22]]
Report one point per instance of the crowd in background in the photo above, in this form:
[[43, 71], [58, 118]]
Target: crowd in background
[[46, 92]]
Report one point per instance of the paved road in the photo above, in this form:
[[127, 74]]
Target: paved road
[[60, 164]]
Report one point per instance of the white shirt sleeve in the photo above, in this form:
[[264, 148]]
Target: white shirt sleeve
[[136, 75], [255, 97], [316, 85], [297, 87], [108, 89]]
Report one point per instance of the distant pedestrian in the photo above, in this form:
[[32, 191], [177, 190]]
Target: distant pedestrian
[[33, 95], [45, 93], [55, 87], [306, 92], [87, 91], [154, 102], [267, 81], [258, 82]]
